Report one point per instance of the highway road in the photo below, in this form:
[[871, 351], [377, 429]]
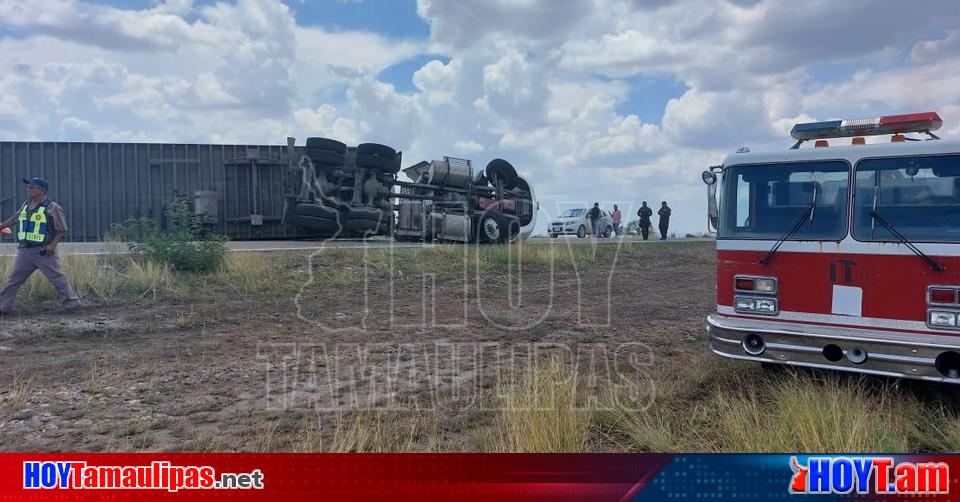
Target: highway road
[[94, 248]]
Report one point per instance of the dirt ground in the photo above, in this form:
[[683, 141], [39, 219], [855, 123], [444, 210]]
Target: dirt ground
[[290, 368]]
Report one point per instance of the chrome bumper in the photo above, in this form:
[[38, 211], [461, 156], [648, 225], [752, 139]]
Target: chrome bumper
[[803, 345]]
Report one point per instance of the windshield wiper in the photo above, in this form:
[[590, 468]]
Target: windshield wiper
[[903, 240], [793, 229]]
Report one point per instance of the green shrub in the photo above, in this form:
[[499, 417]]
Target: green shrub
[[183, 243]]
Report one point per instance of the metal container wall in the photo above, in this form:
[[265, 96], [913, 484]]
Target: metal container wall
[[103, 183]]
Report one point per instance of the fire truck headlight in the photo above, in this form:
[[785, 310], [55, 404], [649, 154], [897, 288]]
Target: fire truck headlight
[[766, 306], [746, 305], [765, 285], [943, 318]]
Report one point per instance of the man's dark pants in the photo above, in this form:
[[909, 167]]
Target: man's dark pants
[[663, 232], [28, 260]]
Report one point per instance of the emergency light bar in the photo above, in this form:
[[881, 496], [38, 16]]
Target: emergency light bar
[[890, 124]]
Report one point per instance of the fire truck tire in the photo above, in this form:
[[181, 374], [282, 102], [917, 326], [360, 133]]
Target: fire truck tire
[[316, 211], [502, 170], [325, 157], [494, 228], [324, 226], [326, 144], [376, 149], [377, 162], [581, 232]]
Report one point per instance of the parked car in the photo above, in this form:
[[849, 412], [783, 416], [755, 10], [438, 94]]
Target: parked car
[[576, 222]]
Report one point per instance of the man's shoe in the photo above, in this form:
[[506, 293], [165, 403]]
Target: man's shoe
[[69, 308]]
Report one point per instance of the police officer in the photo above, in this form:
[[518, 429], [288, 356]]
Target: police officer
[[40, 227], [664, 213], [645, 213]]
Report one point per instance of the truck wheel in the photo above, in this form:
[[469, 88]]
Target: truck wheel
[[499, 169], [323, 226], [315, 211], [514, 225], [326, 144], [493, 228], [376, 149], [581, 232], [325, 157], [377, 162]]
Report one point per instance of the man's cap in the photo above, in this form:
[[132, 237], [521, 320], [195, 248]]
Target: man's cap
[[40, 182]]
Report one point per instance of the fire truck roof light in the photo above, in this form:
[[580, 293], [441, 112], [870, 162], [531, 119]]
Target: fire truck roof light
[[889, 124]]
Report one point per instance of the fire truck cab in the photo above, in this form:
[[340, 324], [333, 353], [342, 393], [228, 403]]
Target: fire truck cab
[[842, 256]]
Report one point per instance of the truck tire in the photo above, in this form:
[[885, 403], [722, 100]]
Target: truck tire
[[363, 219], [377, 162], [325, 157], [502, 170], [323, 226], [376, 149], [326, 144], [316, 211], [494, 228]]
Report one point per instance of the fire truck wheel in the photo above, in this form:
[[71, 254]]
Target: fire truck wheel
[[377, 162], [581, 232], [326, 144], [325, 157], [376, 149], [493, 229]]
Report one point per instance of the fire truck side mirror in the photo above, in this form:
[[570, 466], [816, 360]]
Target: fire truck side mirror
[[710, 178]]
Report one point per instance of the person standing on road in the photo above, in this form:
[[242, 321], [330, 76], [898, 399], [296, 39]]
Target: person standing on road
[[616, 215], [594, 215], [664, 213], [644, 224], [41, 225]]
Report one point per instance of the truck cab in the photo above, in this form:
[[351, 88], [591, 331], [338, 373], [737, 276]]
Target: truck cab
[[843, 256]]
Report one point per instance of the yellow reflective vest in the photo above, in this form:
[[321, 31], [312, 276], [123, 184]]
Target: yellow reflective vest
[[32, 227]]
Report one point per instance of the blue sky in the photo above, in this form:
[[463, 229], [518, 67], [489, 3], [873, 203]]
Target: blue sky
[[592, 100]]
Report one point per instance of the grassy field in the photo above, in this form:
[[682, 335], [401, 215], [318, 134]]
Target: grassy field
[[134, 382]]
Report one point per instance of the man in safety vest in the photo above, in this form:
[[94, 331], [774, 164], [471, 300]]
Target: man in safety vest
[[40, 226]]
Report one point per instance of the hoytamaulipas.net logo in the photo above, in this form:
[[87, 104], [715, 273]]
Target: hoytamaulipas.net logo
[[868, 475], [159, 475]]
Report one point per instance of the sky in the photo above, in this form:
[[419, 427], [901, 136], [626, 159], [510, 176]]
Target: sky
[[614, 101]]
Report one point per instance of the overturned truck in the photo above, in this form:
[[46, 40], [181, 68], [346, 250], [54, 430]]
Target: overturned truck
[[355, 192]]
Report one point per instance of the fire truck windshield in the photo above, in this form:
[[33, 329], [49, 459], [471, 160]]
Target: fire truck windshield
[[918, 196], [762, 201]]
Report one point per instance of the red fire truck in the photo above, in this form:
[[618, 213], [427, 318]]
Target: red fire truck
[[844, 255]]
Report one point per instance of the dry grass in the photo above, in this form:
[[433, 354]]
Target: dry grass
[[361, 432], [15, 394], [249, 272], [541, 414], [106, 279], [811, 413]]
